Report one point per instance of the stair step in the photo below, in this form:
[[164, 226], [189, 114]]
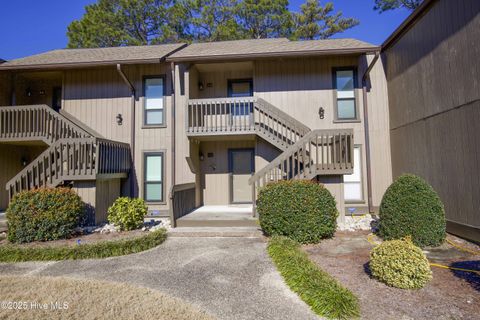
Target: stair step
[[244, 232], [217, 223]]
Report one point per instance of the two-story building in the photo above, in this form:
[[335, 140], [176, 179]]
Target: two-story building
[[199, 127]]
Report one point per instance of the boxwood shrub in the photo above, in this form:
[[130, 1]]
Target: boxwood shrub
[[410, 207], [44, 214], [127, 213], [304, 211], [400, 264]]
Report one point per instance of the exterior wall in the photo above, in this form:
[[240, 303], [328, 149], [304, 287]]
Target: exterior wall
[[11, 164], [4, 89], [215, 178], [434, 94], [39, 83], [97, 96], [301, 86]]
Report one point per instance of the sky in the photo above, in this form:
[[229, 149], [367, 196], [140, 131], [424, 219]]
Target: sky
[[32, 26]]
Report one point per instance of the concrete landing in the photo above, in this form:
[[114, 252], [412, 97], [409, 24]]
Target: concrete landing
[[3, 222], [219, 216]]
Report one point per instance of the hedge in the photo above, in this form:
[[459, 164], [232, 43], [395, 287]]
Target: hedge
[[400, 264], [302, 210], [44, 214], [325, 295], [410, 207]]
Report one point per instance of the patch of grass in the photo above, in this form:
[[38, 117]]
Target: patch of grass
[[17, 253], [88, 299], [318, 289]]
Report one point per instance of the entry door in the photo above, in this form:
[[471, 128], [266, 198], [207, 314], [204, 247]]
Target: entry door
[[57, 98], [241, 169]]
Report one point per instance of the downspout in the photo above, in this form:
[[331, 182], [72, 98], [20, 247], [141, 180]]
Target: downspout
[[366, 128], [132, 130], [173, 127]]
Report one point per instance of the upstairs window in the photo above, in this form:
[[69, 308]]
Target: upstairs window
[[345, 83], [154, 111]]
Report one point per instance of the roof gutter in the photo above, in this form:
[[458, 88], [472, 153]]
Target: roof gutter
[[273, 54], [132, 130], [366, 129]]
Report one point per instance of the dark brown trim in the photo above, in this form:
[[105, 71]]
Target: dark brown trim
[[145, 125], [464, 231], [407, 24], [274, 54], [146, 154]]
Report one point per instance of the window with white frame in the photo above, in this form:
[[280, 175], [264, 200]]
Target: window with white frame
[[352, 183], [153, 177], [154, 101], [345, 87]]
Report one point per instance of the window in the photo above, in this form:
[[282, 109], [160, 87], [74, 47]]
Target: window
[[154, 101], [345, 84], [353, 188], [153, 177], [238, 89]]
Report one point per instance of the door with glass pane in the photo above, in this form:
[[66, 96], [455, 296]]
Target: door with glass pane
[[153, 177], [241, 111], [241, 169]]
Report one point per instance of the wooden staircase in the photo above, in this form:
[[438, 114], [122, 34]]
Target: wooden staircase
[[74, 153], [305, 153]]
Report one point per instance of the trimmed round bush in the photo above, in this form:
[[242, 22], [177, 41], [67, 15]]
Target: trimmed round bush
[[304, 211], [400, 264], [127, 213], [44, 214], [410, 207]]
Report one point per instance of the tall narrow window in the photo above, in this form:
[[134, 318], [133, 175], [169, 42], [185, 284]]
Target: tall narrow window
[[353, 189], [154, 101], [345, 86], [153, 177]]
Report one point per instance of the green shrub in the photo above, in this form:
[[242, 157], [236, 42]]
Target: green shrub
[[103, 249], [301, 210], [44, 214], [401, 264], [410, 207], [318, 289], [127, 213]]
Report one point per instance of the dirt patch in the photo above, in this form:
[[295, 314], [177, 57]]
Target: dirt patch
[[450, 295], [83, 239], [62, 298]]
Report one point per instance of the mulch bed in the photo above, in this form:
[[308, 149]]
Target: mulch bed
[[450, 295], [84, 239]]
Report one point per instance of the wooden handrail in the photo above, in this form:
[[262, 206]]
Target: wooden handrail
[[324, 152], [39, 122], [72, 159]]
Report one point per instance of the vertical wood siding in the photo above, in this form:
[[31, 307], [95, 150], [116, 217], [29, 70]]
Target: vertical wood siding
[[96, 96], [434, 92]]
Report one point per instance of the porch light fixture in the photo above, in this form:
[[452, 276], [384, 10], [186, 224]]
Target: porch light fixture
[[321, 113], [28, 92], [24, 161], [201, 156], [201, 86], [41, 92], [119, 119]]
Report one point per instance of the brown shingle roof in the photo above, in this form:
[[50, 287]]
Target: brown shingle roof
[[93, 57], [269, 47]]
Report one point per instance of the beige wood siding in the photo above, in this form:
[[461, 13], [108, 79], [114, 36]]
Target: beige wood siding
[[5, 90], [11, 164], [434, 93], [96, 96], [301, 86]]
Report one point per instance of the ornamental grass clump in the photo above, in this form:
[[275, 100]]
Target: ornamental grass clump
[[127, 213], [410, 207], [400, 264], [302, 210], [44, 214]]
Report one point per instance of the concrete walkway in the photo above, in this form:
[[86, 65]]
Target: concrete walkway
[[231, 278]]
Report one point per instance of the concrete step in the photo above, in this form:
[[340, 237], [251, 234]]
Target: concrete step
[[219, 216], [243, 232], [219, 223]]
